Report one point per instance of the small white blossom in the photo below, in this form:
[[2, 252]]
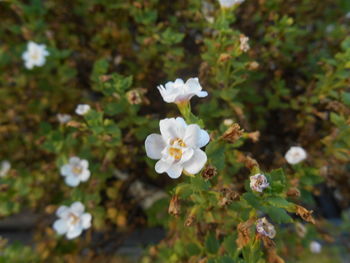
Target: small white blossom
[[72, 220], [295, 155], [244, 45], [82, 109], [63, 118], [315, 247], [258, 182], [300, 229], [35, 55], [265, 228], [229, 3], [5, 168], [347, 16], [228, 122], [177, 147], [179, 91], [76, 171]]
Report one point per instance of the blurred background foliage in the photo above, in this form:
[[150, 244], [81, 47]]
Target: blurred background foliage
[[291, 86]]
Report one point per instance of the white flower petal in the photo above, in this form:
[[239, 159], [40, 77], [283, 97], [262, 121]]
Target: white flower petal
[[66, 170], [196, 163], [85, 175], [84, 164], [202, 94], [74, 160], [86, 220], [171, 129], [62, 211], [191, 137], [60, 226], [193, 85], [74, 232], [186, 155], [203, 139], [77, 208], [72, 180], [154, 145], [175, 171], [162, 166]]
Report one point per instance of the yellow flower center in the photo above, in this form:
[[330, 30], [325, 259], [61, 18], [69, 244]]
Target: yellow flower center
[[35, 55], [73, 218], [176, 149], [77, 169]]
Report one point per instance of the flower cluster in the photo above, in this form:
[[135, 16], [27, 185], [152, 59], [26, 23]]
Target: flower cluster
[[177, 147]]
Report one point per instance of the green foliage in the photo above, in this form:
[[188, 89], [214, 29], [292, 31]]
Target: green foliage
[[289, 82]]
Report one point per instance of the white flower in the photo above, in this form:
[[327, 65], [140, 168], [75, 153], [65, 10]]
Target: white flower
[[75, 171], [72, 220], [244, 45], [265, 228], [179, 91], [5, 168], [228, 122], [82, 109], [178, 147], [295, 155], [315, 247], [258, 182], [63, 118], [35, 55], [229, 3]]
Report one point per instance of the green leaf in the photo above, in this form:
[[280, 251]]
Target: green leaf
[[277, 214], [212, 244], [252, 200], [216, 154], [279, 202]]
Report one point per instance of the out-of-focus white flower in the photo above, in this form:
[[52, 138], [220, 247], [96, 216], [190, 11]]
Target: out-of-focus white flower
[[228, 122], [265, 228], [229, 3], [295, 155], [179, 91], [258, 182], [300, 229], [72, 220], [4, 168], [315, 247], [63, 118], [35, 55], [244, 45], [75, 171], [347, 16], [82, 109], [177, 147]]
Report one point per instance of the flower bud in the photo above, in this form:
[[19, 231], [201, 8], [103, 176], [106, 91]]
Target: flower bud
[[209, 172], [174, 206]]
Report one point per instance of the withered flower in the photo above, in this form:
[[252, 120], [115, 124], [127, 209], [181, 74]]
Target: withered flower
[[254, 136], [293, 192], [135, 96], [243, 233], [233, 133], [209, 172], [227, 196], [305, 214], [174, 206], [265, 228]]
